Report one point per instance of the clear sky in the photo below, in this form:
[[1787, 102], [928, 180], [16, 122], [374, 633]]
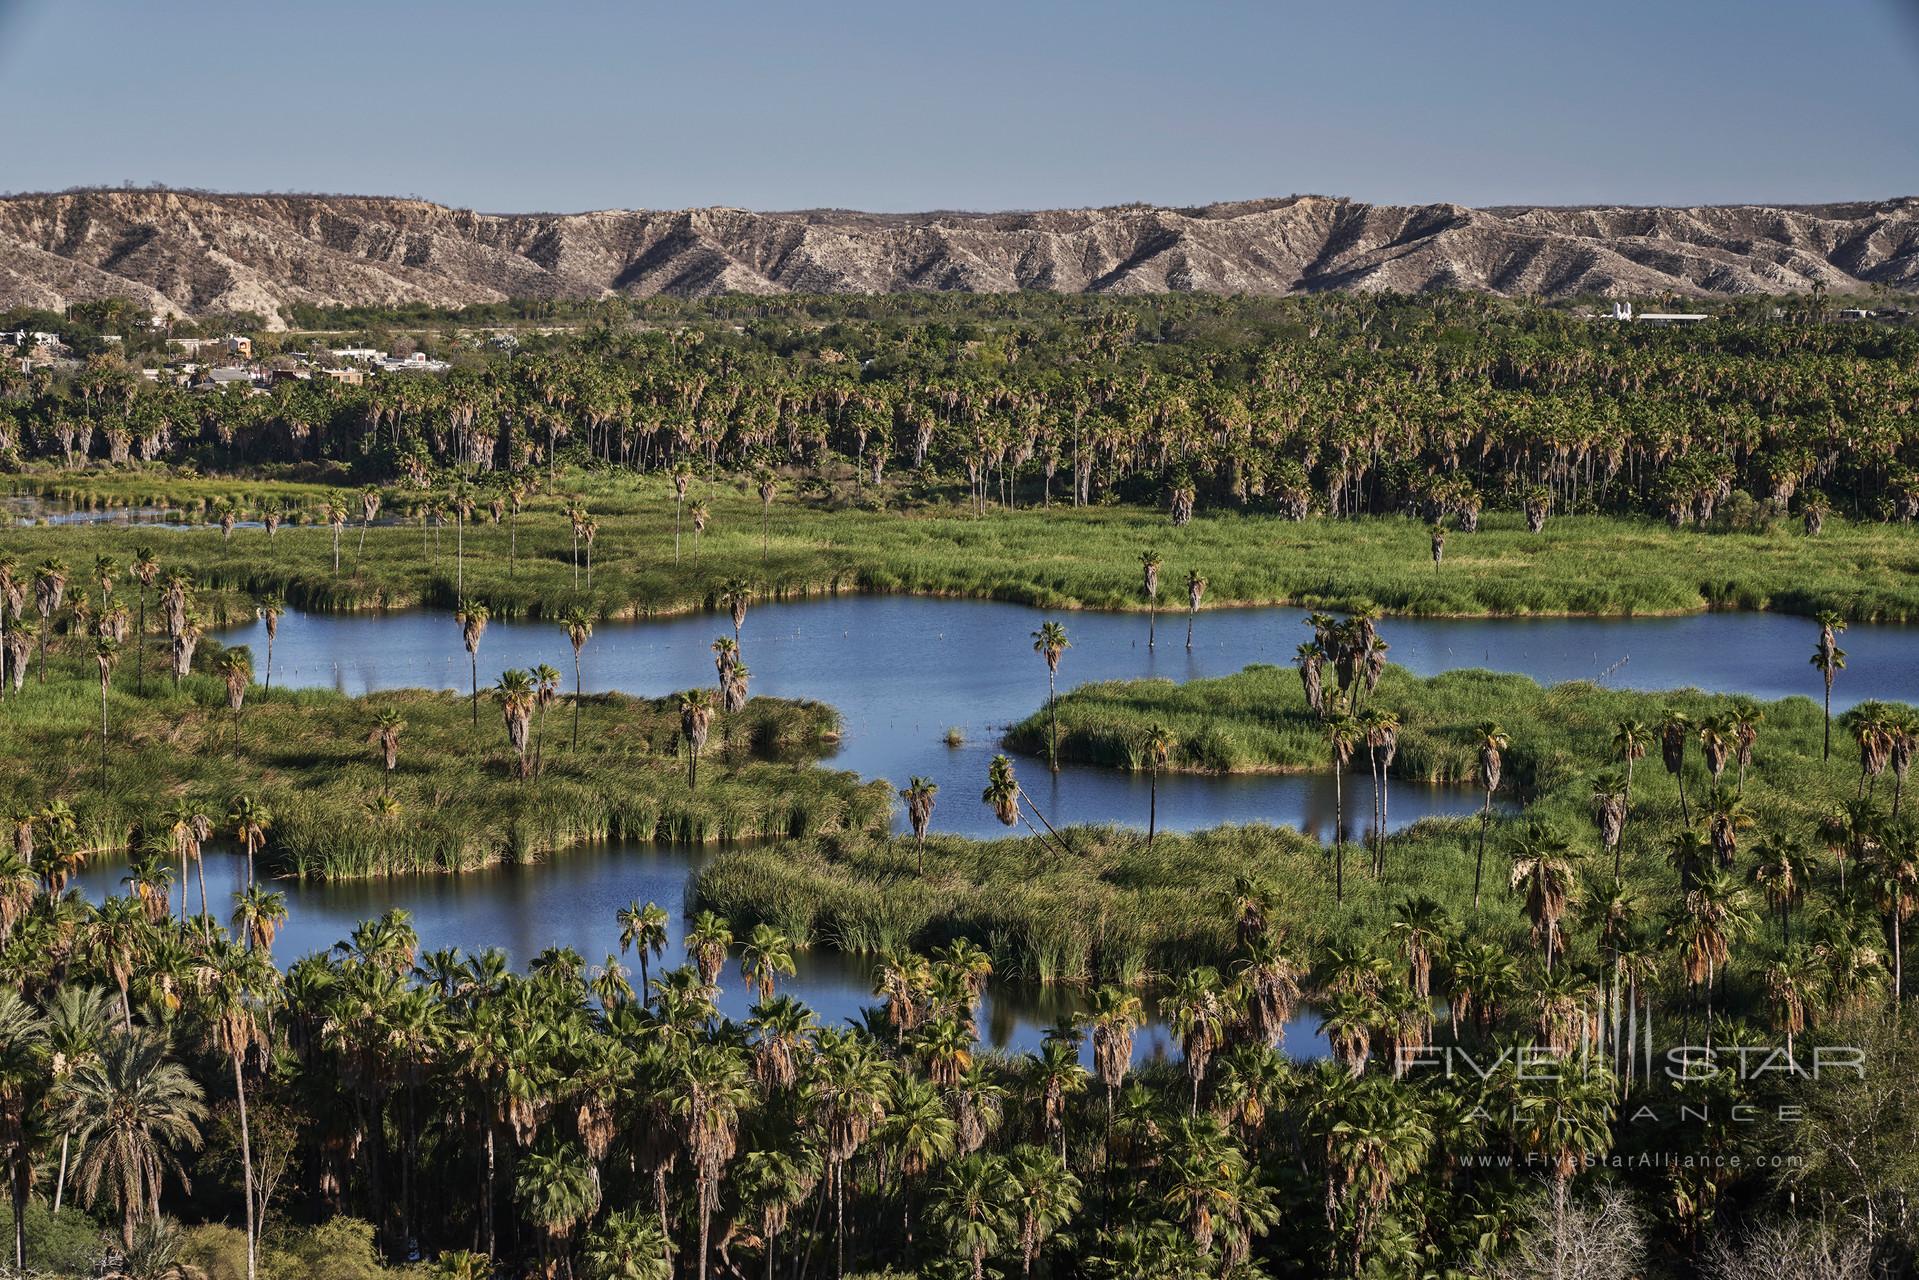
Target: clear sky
[[968, 104]]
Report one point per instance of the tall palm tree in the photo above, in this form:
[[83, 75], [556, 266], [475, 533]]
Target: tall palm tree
[[1710, 919], [1544, 871], [132, 1111], [1159, 745], [546, 691], [49, 591], [1198, 1009], [78, 1021], [23, 1070], [146, 570], [1744, 718], [257, 916], [1343, 736], [1629, 742], [472, 617], [1379, 729], [1149, 563], [1195, 592], [105, 654], [1674, 729], [1311, 659], [1010, 802], [1045, 1196], [919, 797], [1782, 868], [696, 721], [682, 476], [333, 511], [369, 508], [1829, 661], [1609, 813], [188, 828], [518, 695], [251, 821], [272, 608], [235, 668], [388, 724], [711, 1092], [645, 927], [768, 486], [973, 1208], [1895, 891], [1491, 742], [233, 990], [702, 514], [734, 595], [1049, 642], [579, 629], [766, 955]]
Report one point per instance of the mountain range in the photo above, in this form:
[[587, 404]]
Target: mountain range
[[193, 253]]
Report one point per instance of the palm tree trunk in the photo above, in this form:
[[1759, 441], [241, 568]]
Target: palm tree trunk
[[1052, 712], [1479, 860], [1339, 825], [246, 1165], [1190, 615], [103, 735], [473, 658], [60, 1184], [1152, 805], [139, 649], [269, 686], [200, 870], [704, 1226]]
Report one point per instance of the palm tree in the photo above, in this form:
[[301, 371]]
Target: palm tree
[[1782, 869], [472, 617], [766, 955], [1609, 791], [1437, 535], [1711, 917], [387, 727], [701, 514], [78, 1020], [919, 796], [1716, 734], [333, 510], [1829, 660], [188, 828], [1198, 1009], [369, 508], [645, 927], [146, 570], [232, 990], [1050, 642], [1159, 745], [257, 916], [1895, 891], [1310, 659], [1744, 718], [696, 720], [579, 629], [768, 489], [1793, 983], [626, 1245], [1004, 793], [23, 1070], [682, 476], [558, 1191], [1115, 1014], [546, 691], [272, 607], [131, 1111], [734, 595], [105, 654], [1343, 736], [707, 942], [250, 821], [1567, 1120], [1195, 592], [1543, 869], [518, 695], [49, 590], [973, 1207], [1379, 730], [1491, 742], [1674, 729], [235, 667], [1045, 1196], [1629, 741], [1149, 563], [711, 1092]]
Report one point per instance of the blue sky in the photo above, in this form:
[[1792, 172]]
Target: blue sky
[[971, 105]]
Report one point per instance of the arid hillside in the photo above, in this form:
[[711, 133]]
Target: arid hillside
[[191, 253]]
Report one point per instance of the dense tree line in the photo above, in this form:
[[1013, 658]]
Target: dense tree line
[[1441, 405]]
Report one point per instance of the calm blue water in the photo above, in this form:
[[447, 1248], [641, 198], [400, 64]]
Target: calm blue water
[[902, 671]]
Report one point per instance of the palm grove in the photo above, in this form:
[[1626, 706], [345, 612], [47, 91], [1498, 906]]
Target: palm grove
[[1712, 875]]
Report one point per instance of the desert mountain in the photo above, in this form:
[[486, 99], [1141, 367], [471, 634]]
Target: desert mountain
[[192, 253]]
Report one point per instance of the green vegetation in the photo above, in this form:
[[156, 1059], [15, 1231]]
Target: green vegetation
[[1060, 558], [453, 799]]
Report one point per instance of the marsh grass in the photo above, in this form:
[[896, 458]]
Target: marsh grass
[[1057, 557], [455, 803], [1124, 909]]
